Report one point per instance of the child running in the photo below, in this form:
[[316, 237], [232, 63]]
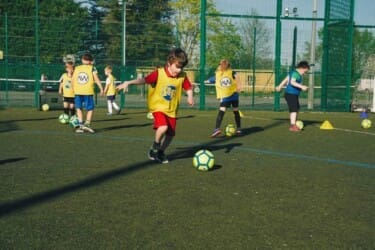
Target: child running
[[110, 91], [166, 85]]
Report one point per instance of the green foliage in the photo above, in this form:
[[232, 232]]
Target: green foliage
[[60, 31], [148, 31]]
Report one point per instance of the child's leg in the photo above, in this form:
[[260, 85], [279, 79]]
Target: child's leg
[[72, 109], [237, 118], [79, 115], [66, 108], [109, 106], [293, 118], [89, 115], [166, 142], [114, 104], [159, 134], [219, 117]]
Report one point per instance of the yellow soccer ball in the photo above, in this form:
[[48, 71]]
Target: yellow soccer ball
[[45, 107], [230, 130], [366, 123], [300, 124]]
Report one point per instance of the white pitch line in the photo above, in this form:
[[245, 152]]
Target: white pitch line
[[354, 131]]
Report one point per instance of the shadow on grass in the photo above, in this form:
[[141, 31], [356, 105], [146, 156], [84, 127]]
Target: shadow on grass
[[112, 119], [122, 127], [286, 122], [39, 198], [10, 160]]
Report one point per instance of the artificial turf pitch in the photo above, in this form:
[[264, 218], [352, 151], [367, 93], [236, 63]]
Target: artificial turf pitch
[[269, 189]]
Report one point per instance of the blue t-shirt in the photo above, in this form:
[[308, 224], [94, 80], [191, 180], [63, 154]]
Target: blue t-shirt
[[290, 89]]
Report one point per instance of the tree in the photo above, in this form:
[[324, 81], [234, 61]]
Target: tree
[[248, 28], [149, 34], [59, 31], [222, 38]]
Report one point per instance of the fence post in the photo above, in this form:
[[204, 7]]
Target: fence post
[[277, 54], [37, 60], [202, 86]]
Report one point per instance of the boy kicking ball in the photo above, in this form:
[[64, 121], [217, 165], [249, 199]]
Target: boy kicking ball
[[166, 85]]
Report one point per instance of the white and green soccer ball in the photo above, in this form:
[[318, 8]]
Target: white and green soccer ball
[[203, 160], [63, 118], [300, 124], [74, 122], [230, 130], [366, 123]]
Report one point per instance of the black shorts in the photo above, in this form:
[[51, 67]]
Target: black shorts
[[68, 99], [292, 101]]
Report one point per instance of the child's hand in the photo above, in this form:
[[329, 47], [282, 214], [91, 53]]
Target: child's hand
[[278, 88], [304, 88], [190, 100]]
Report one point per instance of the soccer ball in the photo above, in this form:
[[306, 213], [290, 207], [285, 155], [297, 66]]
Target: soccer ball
[[299, 124], [203, 160], [230, 130], [150, 116], [366, 123], [45, 107], [74, 121], [63, 118]]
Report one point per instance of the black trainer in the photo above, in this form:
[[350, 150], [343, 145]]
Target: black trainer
[[152, 154], [161, 157]]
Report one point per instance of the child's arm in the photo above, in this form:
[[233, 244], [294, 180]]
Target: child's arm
[[61, 86], [106, 86], [282, 84], [190, 98], [125, 84], [298, 85], [98, 83]]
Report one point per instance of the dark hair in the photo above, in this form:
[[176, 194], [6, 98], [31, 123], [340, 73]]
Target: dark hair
[[87, 57], [303, 65], [178, 56]]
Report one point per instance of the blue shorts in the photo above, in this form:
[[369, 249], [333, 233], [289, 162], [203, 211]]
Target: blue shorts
[[84, 101]]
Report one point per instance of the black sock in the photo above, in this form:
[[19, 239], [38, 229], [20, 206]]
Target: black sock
[[66, 111], [237, 118], [156, 145], [219, 118]]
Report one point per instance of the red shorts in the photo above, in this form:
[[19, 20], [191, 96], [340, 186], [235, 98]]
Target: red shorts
[[161, 119]]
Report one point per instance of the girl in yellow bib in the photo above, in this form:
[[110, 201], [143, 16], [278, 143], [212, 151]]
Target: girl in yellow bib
[[227, 92], [110, 91], [166, 85], [66, 90]]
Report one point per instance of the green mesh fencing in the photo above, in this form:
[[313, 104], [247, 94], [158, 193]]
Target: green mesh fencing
[[337, 55]]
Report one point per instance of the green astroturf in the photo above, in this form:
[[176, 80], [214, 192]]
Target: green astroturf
[[270, 188]]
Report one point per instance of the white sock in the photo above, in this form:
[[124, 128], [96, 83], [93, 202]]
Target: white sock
[[109, 104]]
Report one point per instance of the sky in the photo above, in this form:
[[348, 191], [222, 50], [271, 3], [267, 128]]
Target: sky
[[364, 9], [364, 14]]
